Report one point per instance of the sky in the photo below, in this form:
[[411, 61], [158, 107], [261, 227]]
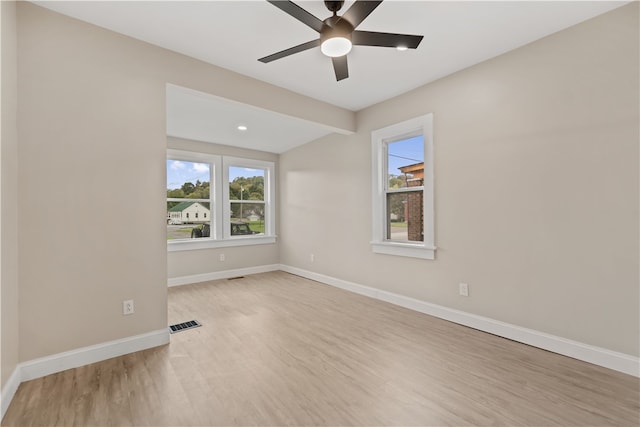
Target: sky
[[401, 153], [405, 152], [181, 171]]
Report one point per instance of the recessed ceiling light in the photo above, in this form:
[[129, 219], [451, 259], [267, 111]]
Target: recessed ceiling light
[[402, 48], [242, 127]]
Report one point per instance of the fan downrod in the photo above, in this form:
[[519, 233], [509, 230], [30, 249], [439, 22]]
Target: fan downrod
[[334, 6]]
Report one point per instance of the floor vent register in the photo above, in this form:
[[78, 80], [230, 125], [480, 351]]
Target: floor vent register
[[179, 327]]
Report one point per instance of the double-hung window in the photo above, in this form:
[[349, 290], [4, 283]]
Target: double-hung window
[[247, 196], [217, 201], [403, 211]]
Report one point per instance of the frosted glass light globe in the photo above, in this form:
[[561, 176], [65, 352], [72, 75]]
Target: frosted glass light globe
[[336, 46]]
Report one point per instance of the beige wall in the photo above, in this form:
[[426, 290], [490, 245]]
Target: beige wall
[[9, 197], [92, 142], [536, 189], [536, 185], [188, 263]]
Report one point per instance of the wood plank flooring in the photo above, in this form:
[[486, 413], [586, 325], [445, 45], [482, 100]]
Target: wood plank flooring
[[276, 349]]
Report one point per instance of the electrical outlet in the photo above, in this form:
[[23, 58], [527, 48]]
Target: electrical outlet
[[221, 257], [312, 257], [464, 289], [127, 307]]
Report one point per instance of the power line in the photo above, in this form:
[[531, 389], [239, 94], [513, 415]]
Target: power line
[[406, 158]]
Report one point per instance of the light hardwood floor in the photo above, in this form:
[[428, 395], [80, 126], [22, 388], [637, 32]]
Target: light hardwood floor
[[277, 349]]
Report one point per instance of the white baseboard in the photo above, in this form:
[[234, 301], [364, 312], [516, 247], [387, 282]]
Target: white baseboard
[[217, 275], [83, 356], [598, 356], [47, 365], [9, 390]]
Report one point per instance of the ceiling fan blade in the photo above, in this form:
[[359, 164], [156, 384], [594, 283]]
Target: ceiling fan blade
[[359, 11], [299, 13], [300, 48], [340, 67], [369, 38]]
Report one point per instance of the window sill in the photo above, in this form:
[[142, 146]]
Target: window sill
[[404, 249], [195, 244]]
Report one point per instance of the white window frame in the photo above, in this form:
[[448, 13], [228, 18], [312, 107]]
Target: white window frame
[[269, 203], [219, 202], [380, 139]]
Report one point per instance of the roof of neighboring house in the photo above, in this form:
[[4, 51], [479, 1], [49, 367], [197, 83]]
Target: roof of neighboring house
[[181, 206], [412, 168], [416, 170]]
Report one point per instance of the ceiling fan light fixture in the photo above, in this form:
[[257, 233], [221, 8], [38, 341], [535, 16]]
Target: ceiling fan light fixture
[[338, 33], [336, 46]]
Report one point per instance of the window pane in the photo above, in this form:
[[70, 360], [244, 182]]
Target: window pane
[[186, 218], [405, 160], [188, 180], [246, 183], [251, 214], [183, 217], [405, 216]]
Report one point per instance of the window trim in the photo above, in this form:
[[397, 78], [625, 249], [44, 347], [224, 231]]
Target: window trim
[[218, 194], [269, 198], [426, 249]]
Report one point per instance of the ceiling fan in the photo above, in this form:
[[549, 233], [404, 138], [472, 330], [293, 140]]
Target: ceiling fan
[[338, 33]]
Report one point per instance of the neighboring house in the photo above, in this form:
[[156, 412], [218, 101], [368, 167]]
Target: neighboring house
[[253, 218], [414, 171], [413, 209], [189, 212]]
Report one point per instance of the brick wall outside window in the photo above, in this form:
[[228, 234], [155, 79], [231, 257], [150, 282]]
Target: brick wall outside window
[[414, 212]]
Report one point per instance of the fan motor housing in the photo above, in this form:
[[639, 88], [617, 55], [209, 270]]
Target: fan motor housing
[[335, 26]]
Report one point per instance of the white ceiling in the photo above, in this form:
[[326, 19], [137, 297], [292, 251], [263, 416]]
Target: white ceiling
[[203, 117], [234, 34]]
